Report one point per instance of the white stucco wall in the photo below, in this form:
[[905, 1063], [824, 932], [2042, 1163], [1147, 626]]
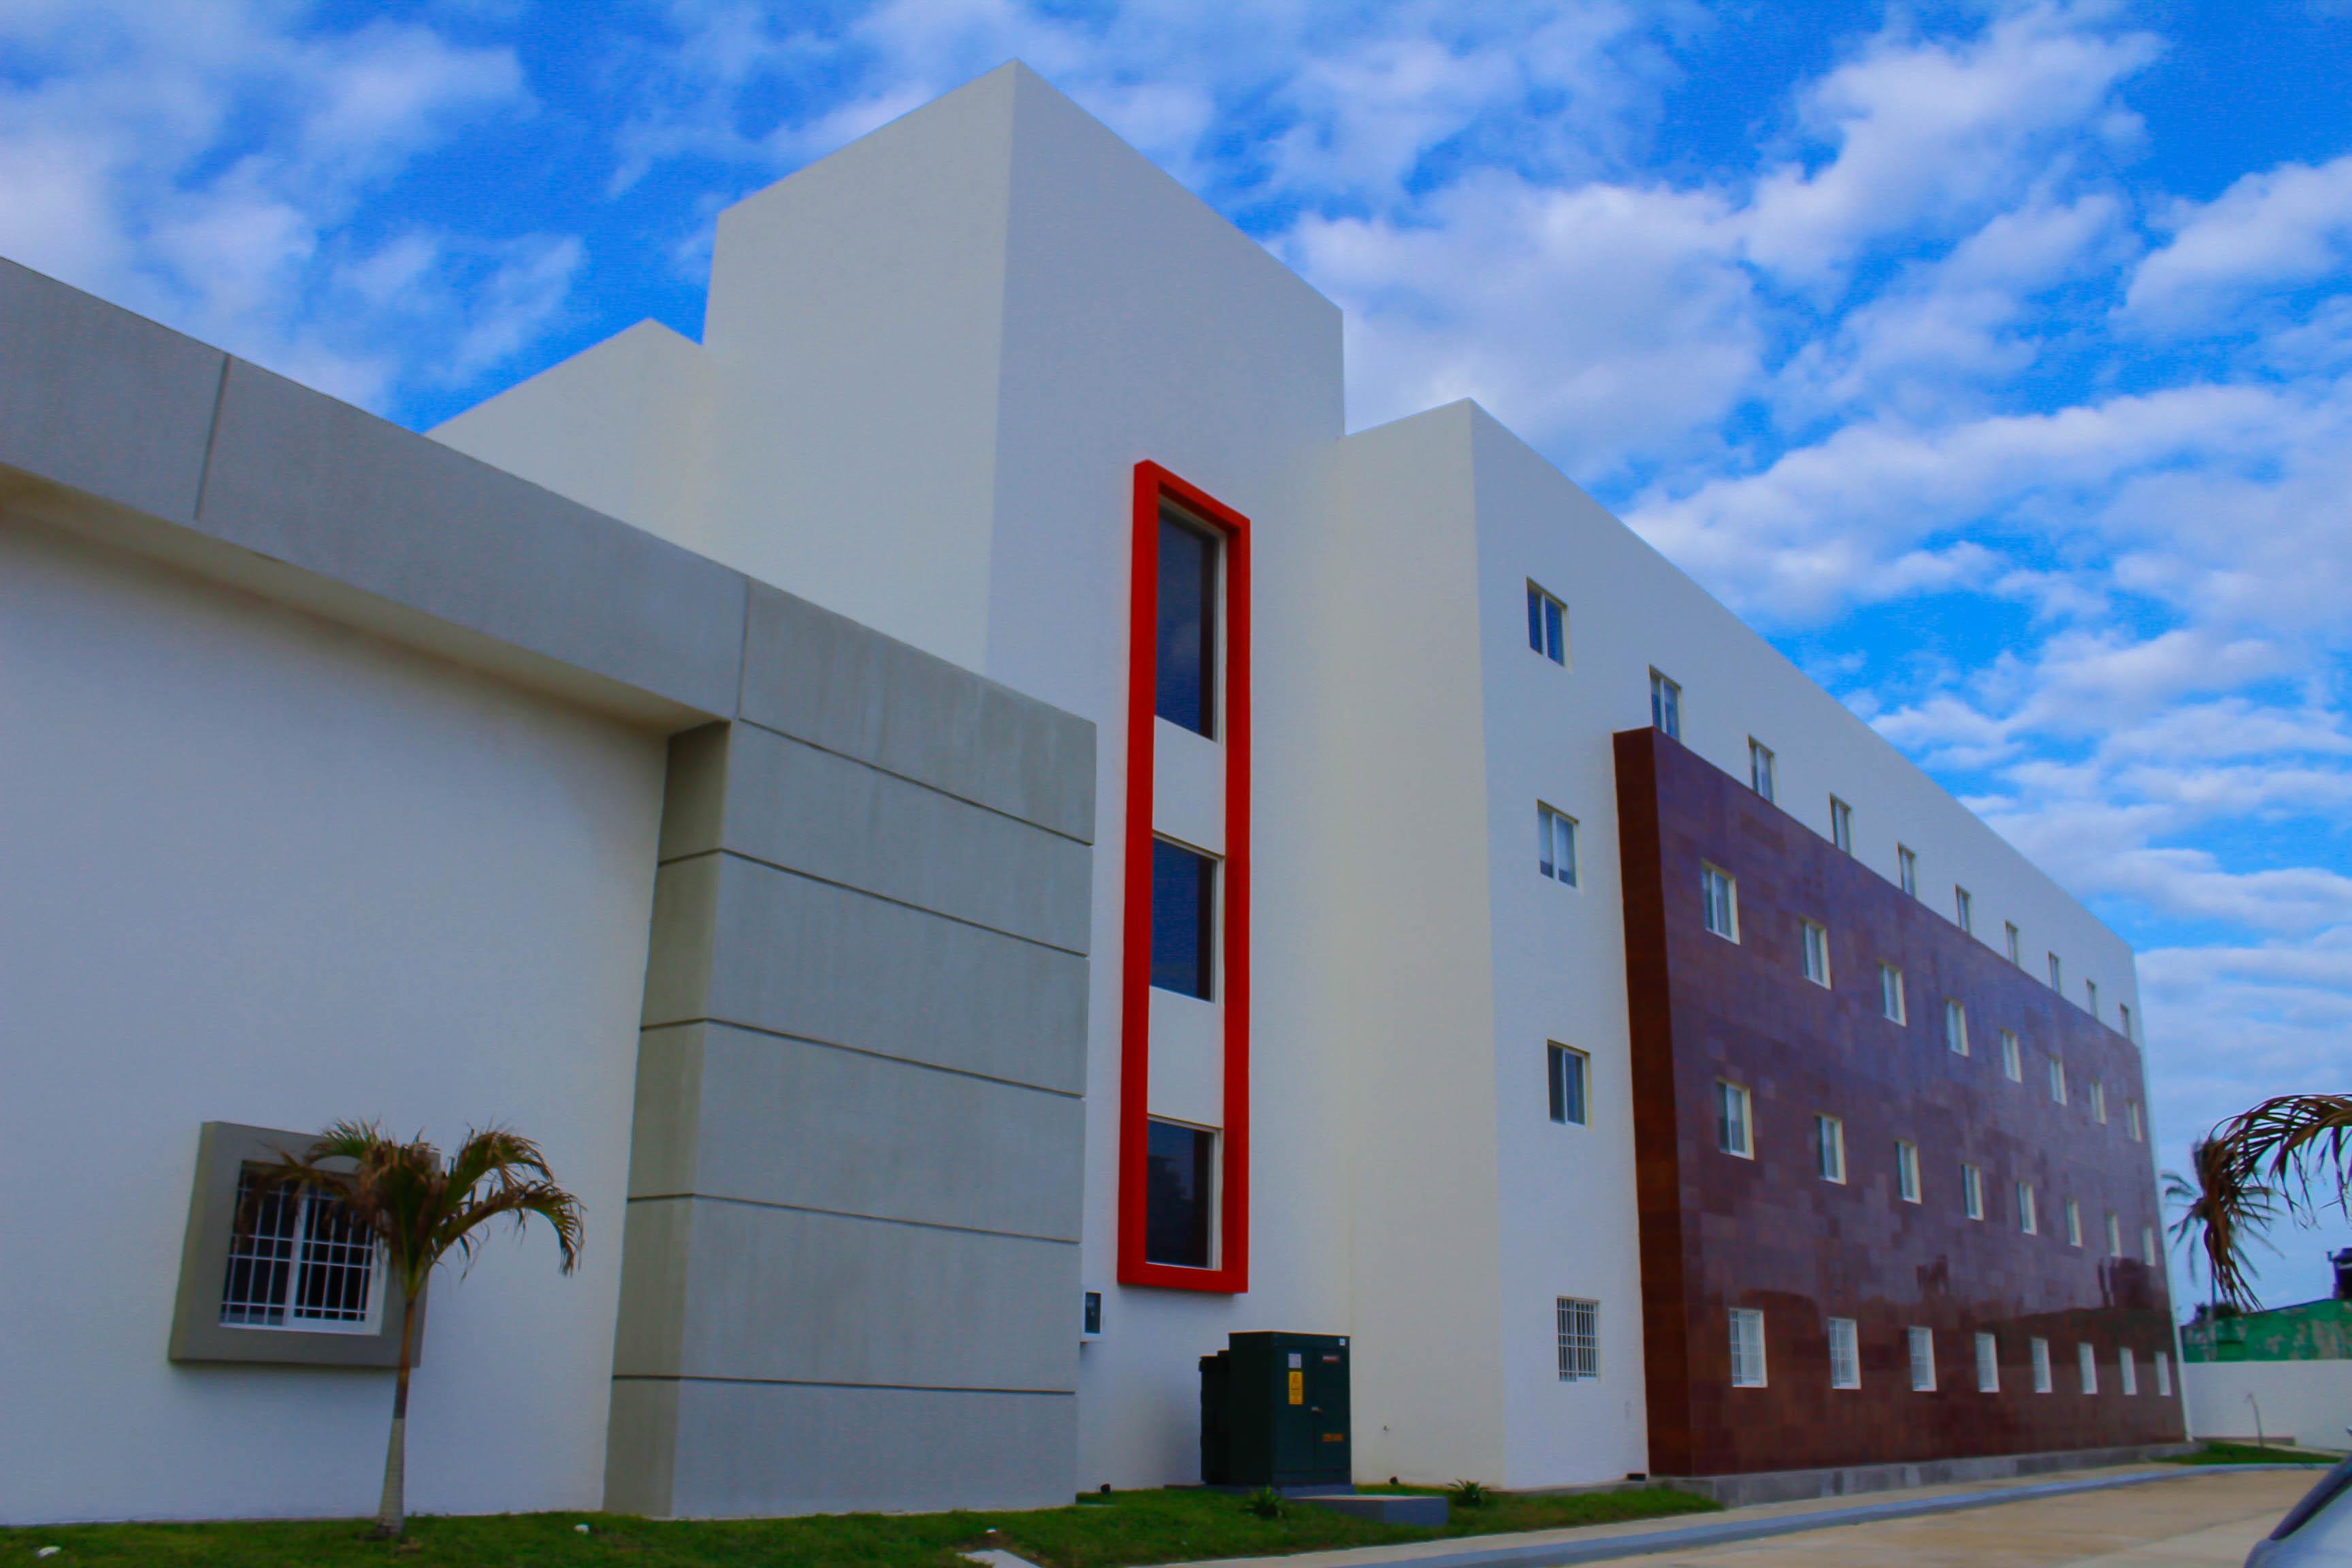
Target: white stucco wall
[[261, 869], [2306, 1402]]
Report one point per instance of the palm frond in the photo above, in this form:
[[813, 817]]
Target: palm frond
[[2302, 1138], [2224, 1208]]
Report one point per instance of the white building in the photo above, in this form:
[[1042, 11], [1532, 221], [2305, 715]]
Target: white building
[[359, 809]]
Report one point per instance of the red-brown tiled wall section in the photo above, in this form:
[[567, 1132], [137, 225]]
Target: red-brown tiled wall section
[[1769, 1233]]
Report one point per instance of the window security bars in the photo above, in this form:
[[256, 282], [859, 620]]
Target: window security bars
[[1579, 1339], [1746, 1348], [1923, 1360], [305, 1263], [1845, 1353]]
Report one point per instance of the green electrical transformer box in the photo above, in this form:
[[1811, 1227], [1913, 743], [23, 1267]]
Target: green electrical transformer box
[[1274, 1412]]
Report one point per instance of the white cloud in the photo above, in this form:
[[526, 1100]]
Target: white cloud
[[2283, 227]]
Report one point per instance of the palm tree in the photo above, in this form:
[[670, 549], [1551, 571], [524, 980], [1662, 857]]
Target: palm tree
[[2300, 1136], [2223, 1208], [420, 1208]]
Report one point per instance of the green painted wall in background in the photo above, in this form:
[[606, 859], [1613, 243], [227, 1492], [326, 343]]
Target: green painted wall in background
[[2316, 1331]]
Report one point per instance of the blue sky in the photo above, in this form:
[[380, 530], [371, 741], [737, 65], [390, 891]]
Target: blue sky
[[1995, 360]]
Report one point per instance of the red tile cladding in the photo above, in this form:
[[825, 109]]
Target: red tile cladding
[[1718, 1232]]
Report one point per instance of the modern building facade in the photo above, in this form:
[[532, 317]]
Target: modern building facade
[[1134, 862]]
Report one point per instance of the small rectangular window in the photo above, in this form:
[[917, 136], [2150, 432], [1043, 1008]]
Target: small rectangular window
[[1556, 844], [2012, 1057], [2132, 1121], [1185, 659], [2056, 974], [1890, 992], [2098, 1102], [1817, 952], [1547, 624], [1567, 1068], [2057, 1081], [2014, 941], [1734, 1131], [2115, 1234], [1955, 1027], [1721, 892], [1907, 869], [1760, 767], [1828, 1148], [2086, 1367], [2028, 1216], [305, 1261], [1845, 1353], [1907, 1169], [2164, 1375], [2147, 1245], [2128, 1369], [1579, 1338], [1972, 1191], [2040, 1350], [1840, 824], [1923, 1360], [1964, 910], [2091, 997], [1183, 919], [1179, 1181], [1987, 1365], [2123, 1018], [1665, 706], [1746, 1348], [2074, 1223]]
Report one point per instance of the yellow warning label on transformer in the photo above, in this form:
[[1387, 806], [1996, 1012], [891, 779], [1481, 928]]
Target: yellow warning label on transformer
[[1298, 1388]]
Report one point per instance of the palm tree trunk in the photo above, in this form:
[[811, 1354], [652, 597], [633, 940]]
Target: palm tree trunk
[[391, 1515]]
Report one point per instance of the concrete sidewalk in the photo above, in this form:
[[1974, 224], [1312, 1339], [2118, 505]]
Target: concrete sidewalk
[[2016, 1521]]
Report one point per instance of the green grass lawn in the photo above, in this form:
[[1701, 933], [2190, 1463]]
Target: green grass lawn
[[1127, 1528], [2248, 1454]]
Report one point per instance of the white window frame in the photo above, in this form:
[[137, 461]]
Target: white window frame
[[2132, 1121], [1556, 1058], [1719, 899], [1972, 1190], [2057, 975], [2012, 1057], [1556, 847], [1828, 1148], [1907, 869], [1578, 1323], [2057, 1080], [1891, 1004], [1920, 1341], [1956, 1025], [1842, 825], [1845, 1353], [2147, 1249], [2115, 1234], [2039, 1350], [2074, 1223], [1907, 1169], [1748, 1369], [1964, 911], [2029, 1209], [1729, 1096], [2122, 1019], [1988, 1364], [2086, 1366], [1815, 948], [1546, 623], [2091, 996], [1759, 769], [2163, 1374], [1665, 704], [2014, 940], [2127, 1373], [2099, 1101]]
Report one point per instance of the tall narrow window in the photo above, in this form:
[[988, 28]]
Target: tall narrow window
[[2014, 941], [1578, 1324], [2012, 1057], [1567, 1068], [1760, 767], [1828, 1148], [2122, 1019], [1890, 992], [1955, 1027], [2128, 1366], [2074, 1223], [2164, 1375], [1547, 624], [1666, 706], [1907, 1169], [1964, 910], [1746, 1348], [1556, 844], [1721, 892], [1840, 824], [1987, 1365], [1907, 869], [1735, 1132], [1186, 661], [2057, 1081], [2098, 1102], [1183, 919], [2029, 1215], [2147, 1245], [2040, 1350], [2115, 1234], [1972, 1191], [2086, 1366], [2091, 997], [1845, 1353], [2132, 1121], [1923, 1360], [1180, 1163], [2057, 974], [1817, 952]]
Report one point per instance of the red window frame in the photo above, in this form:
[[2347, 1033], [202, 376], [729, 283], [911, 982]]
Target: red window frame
[[1231, 1275]]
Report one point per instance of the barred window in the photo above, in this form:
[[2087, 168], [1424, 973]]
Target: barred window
[[2040, 1350], [1923, 1360], [1845, 1354], [1987, 1365], [1579, 1339], [1746, 1348], [304, 1263]]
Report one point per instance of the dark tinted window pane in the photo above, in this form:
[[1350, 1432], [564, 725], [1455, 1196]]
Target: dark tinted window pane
[[1535, 618], [1183, 888], [1177, 1195], [1186, 659]]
